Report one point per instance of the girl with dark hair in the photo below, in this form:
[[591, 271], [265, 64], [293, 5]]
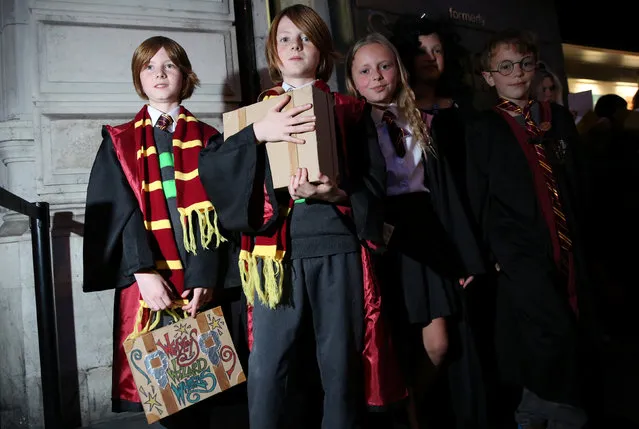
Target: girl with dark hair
[[423, 44], [433, 57]]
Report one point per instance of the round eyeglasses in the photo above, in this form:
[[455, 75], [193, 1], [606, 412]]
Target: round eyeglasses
[[506, 67]]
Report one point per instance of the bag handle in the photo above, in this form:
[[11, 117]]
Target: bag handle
[[149, 326]]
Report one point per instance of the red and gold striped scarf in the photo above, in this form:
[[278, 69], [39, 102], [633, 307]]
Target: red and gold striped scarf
[[267, 250], [192, 202]]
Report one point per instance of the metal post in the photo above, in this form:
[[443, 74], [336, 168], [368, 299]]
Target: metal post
[[45, 309]]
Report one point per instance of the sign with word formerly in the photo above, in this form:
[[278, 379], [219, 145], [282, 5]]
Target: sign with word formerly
[[184, 363], [466, 17]]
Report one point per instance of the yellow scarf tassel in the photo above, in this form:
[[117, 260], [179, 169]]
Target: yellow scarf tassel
[[208, 229], [273, 271], [269, 293]]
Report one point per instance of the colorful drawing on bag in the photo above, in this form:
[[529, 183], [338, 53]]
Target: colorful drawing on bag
[[228, 355], [136, 355], [183, 347], [187, 370], [156, 364], [210, 344], [150, 399], [215, 323], [183, 363]]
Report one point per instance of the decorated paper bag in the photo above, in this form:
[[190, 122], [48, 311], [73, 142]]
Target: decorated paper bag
[[184, 363]]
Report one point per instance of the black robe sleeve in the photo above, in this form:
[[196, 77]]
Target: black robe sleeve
[[577, 172], [366, 182], [115, 241], [203, 269], [455, 217], [213, 268], [477, 172], [235, 173]]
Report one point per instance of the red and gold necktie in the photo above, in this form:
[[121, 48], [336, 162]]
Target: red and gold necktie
[[509, 106], [565, 243], [395, 133], [164, 121], [560, 218]]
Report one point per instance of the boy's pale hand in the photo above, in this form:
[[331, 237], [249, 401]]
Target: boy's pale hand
[[201, 297], [299, 187], [278, 126], [155, 291]]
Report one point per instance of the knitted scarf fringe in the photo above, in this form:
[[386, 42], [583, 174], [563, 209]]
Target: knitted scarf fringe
[[270, 292]]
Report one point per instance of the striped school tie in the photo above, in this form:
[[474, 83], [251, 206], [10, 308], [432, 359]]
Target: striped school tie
[[395, 133], [565, 242], [164, 121]]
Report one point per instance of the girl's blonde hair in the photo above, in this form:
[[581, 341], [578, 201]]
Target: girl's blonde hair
[[542, 73], [404, 95]]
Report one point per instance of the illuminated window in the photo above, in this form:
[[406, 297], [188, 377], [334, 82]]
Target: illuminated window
[[626, 90]]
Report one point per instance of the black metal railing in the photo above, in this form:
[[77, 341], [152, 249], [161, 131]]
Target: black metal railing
[[40, 222]]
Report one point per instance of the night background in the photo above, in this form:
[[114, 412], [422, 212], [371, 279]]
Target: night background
[[610, 24]]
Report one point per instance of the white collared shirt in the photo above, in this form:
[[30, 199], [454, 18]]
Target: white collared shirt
[[286, 87], [405, 174], [155, 115]]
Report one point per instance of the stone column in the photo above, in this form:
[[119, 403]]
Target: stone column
[[18, 160], [21, 399]]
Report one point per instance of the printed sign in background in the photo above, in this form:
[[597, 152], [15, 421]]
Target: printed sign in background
[[473, 21], [184, 363]]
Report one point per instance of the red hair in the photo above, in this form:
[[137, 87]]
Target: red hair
[[312, 25]]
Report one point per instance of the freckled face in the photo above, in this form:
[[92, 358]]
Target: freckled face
[[298, 56], [161, 79]]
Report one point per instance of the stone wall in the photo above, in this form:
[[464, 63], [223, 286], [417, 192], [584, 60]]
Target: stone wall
[[65, 71]]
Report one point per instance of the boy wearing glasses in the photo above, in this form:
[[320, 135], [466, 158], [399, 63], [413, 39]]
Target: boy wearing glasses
[[520, 183]]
